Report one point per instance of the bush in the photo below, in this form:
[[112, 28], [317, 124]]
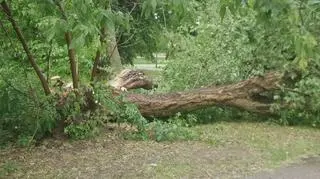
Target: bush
[[173, 129], [25, 114]]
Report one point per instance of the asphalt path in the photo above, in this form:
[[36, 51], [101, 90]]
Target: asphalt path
[[308, 168]]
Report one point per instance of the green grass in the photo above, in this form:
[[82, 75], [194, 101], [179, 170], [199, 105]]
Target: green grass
[[275, 144], [8, 168], [142, 60], [152, 73], [243, 148]]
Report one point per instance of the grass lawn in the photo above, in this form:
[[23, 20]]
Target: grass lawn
[[142, 60]]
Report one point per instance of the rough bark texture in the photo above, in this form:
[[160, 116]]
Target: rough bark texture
[[109, 42], [21, 38], [240, 95], [73, 61], [71, 52], [247, 95], [131, 79], [94, 71]]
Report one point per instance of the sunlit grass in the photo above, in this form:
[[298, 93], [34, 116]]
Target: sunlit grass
[[275, 144]]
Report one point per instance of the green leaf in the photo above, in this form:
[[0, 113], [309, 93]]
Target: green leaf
[[148, 8], [78, 42], [251, 3], [153, 4], [222, 11], [303, 64]]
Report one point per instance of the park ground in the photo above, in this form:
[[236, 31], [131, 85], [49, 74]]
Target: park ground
[[218, 150], [221, 150]]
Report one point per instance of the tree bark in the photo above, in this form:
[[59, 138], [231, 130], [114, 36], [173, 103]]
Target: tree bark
[[71, 52], [21, 38], [240, 95], [73, 61], [109, 41], [246, 95], [113, 52], [94, 71], [97, 60]]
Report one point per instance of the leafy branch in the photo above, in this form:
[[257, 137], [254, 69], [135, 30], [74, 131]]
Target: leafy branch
[[7, 11]]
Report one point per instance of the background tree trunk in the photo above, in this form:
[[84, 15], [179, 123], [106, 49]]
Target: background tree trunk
[[112, 58], [113, 52]]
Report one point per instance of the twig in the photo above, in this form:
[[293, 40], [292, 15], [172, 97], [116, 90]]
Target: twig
[[13, 87], [6, 32], [48, 62]]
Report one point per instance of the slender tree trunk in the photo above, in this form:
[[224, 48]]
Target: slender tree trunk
[[97, 59], [71, 52], [21, 38], [73, 61], [95, 65]]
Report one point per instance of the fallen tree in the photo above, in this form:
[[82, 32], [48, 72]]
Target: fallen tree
[[254, 95], [247, 95]]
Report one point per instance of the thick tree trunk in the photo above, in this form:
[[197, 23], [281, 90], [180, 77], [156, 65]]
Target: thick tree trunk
[[248, 95], [112, 58], [240, 95], [113, 52]]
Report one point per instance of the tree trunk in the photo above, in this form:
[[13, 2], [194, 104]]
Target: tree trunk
[[247, 95], [31, 58], [73, 61], [94, 71], [113, 52], [241, 95], [71, 52], [107, 40]]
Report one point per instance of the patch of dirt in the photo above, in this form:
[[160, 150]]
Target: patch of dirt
[[111, 157]]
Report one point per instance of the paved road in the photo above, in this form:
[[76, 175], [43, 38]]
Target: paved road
[[309, 168]]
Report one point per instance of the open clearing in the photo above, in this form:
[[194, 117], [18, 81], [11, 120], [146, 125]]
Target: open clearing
[[223, 150]]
